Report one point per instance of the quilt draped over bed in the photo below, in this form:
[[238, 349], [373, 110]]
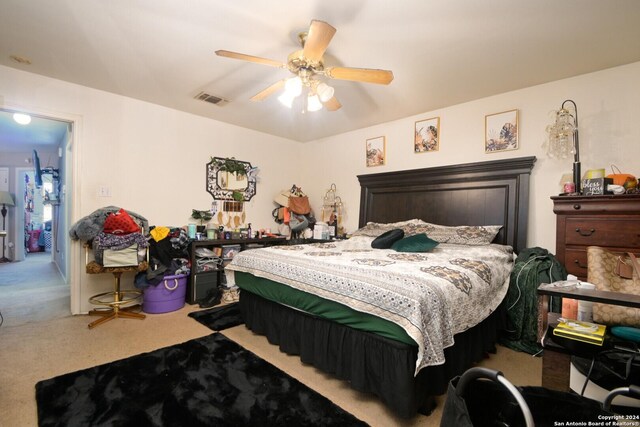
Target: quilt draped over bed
[[432, 295]]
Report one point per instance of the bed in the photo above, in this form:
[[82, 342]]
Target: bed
[[393, 336]]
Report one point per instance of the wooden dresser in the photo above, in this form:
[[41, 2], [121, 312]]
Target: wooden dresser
[[608, 221]]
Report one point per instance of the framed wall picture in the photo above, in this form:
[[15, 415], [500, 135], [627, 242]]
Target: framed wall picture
[[427, 135], [376, 151], [501, 131]]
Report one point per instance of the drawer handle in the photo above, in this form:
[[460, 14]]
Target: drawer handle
[[587, 233], [576, 206], [576, 262]]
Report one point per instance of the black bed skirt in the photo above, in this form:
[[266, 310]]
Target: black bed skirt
[[370, 363]]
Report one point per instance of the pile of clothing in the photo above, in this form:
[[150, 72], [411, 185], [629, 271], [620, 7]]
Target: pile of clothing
[[115, 230], [121, 242], [87, 228], [168, 256]]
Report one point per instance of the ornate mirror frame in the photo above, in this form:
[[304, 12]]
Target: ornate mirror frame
[[218, 166]]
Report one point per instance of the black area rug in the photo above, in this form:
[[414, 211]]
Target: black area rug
[[219, 318], [209, 381]]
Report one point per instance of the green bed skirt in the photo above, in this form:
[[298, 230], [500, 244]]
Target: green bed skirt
[[312, 304]]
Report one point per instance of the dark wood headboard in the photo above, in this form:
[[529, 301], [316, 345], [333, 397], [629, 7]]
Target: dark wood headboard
[[482, 193]]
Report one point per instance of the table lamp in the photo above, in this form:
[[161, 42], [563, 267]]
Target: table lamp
[[563, 139]]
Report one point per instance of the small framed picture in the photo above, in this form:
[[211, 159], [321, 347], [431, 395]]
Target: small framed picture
[[376, 151], [427, 135], [501, 131]]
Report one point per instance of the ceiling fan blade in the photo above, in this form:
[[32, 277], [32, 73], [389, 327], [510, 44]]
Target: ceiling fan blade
[[250, 58], [382, 77], [268, 91], [318, 38], [332, 104]]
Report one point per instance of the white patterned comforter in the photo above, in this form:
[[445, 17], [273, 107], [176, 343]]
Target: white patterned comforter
[[432, 295]]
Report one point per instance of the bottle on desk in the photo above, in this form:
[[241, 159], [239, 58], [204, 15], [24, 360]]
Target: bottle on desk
[[570, 306], [578, 309], [585, 308]]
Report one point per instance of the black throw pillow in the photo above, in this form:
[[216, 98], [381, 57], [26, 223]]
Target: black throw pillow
[[385, 240]]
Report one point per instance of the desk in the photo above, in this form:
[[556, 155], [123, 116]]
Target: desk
[[200, 281], [556, 360]]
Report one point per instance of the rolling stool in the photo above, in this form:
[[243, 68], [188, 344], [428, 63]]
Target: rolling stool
[[116, 302]]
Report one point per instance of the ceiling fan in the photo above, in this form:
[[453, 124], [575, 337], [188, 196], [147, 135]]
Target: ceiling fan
[[307, 65]]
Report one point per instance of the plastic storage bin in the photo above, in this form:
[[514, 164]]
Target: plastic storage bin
[[166, 296]]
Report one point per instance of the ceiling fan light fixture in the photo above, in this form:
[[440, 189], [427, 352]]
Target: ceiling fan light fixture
[[325, 92], [307, 66], [293, 86], [23, 119], [286, 99], [313, 103]]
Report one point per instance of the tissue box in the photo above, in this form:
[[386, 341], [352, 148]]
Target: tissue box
[[595, 186]]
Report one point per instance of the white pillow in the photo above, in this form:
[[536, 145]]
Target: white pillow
[[472, 235], [375, 229]]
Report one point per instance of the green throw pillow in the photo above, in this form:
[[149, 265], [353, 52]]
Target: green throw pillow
[[416, 243]]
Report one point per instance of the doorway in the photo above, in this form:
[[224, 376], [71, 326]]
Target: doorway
[[40, 271]]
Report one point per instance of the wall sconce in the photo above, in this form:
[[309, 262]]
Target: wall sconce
[[563, 140]]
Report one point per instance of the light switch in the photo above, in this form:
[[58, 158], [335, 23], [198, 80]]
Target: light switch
[[104, 191]]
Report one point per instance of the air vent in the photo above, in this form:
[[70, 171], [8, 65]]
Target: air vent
[[212, 99]]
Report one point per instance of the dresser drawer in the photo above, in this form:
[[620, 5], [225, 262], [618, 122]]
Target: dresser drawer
[[575, 261], [585, 231]]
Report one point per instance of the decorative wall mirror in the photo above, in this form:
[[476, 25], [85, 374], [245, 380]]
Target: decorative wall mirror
[[231, 179]]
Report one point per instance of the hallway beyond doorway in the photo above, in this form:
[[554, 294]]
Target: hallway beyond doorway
[[32, 291]]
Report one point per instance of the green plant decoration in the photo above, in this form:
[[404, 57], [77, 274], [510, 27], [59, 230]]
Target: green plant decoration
[[230, 165], [202, 216], [238, 196]]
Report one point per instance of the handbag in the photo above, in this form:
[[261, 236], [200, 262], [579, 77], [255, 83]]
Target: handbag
[[299, 205], [298, 223], [620, 178], [614, 272]]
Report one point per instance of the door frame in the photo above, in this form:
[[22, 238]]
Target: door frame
[[72, 173]]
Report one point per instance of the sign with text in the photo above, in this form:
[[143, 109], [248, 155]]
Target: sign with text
[[595, 186]]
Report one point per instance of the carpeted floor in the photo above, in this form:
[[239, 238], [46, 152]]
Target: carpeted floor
[[32, 290], [202, 382], [34, 352]]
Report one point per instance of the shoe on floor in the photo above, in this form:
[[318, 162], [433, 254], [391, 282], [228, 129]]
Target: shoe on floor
[[212, 299]]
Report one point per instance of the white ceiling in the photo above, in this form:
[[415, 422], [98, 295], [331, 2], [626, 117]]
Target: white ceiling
[[442, 52], [41, 133]]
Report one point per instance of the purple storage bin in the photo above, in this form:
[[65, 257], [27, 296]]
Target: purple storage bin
[[168, 295]]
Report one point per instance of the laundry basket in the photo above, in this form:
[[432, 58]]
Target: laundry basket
[[168, 295], [473, 401]]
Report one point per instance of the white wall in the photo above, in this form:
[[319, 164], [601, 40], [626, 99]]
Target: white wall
[[608, 111], [152, 158]]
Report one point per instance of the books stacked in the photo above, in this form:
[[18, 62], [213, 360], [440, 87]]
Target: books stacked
[[588, 332]]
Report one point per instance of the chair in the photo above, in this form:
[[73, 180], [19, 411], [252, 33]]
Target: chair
[[115, 303]]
